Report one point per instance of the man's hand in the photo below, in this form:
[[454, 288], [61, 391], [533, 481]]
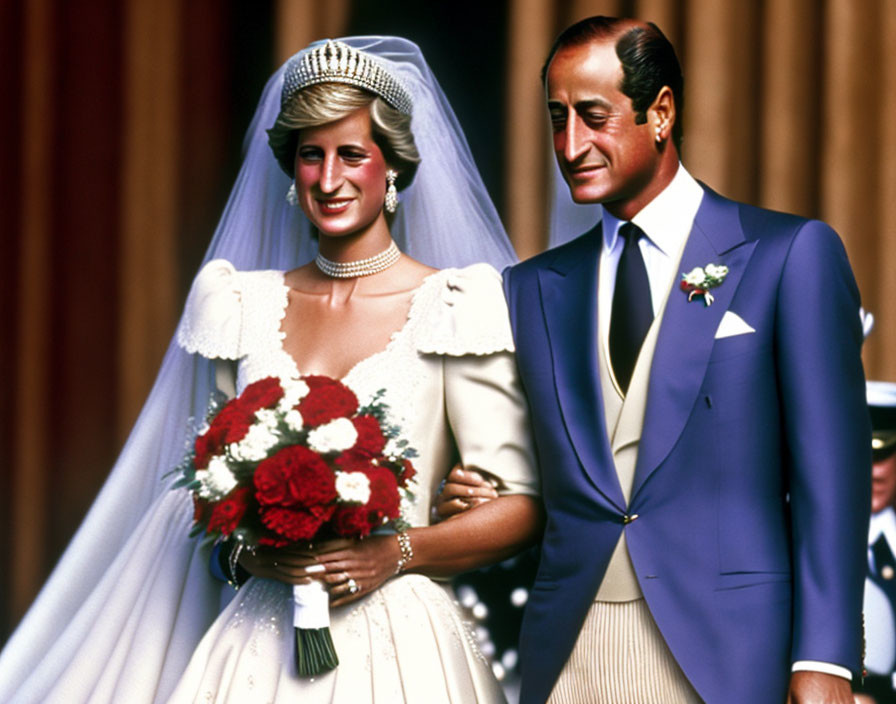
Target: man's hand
[[819, 688], [463, 490]]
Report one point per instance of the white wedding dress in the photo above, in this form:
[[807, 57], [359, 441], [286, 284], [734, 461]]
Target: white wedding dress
[[450, 382]]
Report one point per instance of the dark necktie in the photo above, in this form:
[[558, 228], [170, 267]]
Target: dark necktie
[[632, 311]]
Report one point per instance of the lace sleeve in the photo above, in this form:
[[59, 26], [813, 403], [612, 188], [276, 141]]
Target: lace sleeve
[[211, 322], [468, 316]]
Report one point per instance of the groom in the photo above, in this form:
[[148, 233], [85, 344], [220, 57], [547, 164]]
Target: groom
[[703, 440]]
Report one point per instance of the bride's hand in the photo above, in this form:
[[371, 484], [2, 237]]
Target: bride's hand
[[463, 490], [354, 568], [291, 565]]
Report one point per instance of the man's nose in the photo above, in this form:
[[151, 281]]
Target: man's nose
[[576, 139]]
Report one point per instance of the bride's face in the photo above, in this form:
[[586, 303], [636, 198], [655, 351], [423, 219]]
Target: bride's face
[[341, 175]]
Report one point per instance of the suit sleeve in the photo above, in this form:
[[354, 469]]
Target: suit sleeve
[[827, 435]]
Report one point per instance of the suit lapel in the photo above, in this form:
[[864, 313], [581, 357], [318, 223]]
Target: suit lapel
[[687, 331], [568, 290]]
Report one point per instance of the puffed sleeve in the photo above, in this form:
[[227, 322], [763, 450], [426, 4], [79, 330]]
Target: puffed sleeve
[[211, 322], [470, 316], [487, 411]]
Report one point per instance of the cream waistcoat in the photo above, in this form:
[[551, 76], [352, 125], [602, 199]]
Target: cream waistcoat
[[625, 421]]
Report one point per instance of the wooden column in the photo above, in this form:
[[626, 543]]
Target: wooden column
[[150, 187], [665, 14], [720, 77], [850, 149], [791, 105], [299, 22], [32, 384], [527, 145], [580, 9], [882, 343]]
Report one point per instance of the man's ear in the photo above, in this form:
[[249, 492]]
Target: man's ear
[[661, 114]]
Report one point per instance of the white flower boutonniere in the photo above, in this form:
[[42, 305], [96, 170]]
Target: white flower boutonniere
[[699, 280]]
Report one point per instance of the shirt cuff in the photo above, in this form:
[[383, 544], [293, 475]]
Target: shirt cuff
[[825, 667]]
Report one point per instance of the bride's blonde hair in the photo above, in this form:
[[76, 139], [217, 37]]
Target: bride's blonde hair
[[323, 103]]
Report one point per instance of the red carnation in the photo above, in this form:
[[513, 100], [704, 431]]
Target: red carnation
[[226, 514], [233, 420], [295, 476], [294, 524], [407, 473], [384, 499], [264, 393], [352, 521], [351, 461], [327, 399], [240, 412], [370, 437], [213, 440]]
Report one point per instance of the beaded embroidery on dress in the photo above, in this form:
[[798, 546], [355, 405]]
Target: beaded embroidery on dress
[[407, 641]]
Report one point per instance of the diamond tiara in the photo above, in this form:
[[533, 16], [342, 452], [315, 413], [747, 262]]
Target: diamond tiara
[[337, 62]]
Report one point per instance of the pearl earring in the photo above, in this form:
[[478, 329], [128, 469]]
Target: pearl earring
[[291, 196]]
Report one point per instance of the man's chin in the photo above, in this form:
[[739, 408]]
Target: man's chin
[[587, 196]]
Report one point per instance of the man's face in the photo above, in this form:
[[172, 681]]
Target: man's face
[[883, 483], [603, 154]]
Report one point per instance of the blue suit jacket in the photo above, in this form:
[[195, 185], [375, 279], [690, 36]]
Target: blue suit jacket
[[752, 481]]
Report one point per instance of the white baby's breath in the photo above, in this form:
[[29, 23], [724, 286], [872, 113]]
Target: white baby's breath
[[255, 445], [294, 390], [267, 417], [294, 420], [335, 436], [353, 486]]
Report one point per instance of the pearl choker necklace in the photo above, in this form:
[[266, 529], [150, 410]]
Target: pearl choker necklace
[[361, 267]]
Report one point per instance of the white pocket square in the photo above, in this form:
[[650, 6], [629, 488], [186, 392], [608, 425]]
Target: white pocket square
[[732, 324]]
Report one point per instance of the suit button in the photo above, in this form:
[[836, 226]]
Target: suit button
[[626, 519], [887, 572]]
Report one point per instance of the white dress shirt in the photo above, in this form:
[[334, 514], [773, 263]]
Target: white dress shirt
[[666, 222]]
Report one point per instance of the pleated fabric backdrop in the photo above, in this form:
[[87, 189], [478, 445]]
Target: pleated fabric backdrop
[[121, 128]]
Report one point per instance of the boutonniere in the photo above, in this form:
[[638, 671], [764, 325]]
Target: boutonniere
[[700, 279]]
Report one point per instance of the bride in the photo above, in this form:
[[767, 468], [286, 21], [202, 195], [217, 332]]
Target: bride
[[381, 173]]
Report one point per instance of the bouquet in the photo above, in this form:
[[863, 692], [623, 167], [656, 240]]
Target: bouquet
[[298, 460]]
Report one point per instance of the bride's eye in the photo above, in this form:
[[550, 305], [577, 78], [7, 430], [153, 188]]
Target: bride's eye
[[352, 156], [310, 154]]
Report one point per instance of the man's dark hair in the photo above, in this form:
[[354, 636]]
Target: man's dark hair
[[648, 62]]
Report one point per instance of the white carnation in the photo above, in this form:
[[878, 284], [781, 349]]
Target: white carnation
[[716, 271], [353, 486], [335, 436], [255, 445], [695, 276], [294, 390], [294, 420], [217, 481]]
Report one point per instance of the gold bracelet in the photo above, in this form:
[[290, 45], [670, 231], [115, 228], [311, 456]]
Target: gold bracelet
[[407, 552]]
